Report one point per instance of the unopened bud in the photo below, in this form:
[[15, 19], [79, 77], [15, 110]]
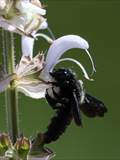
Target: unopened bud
[[5, 143], [22, 147]]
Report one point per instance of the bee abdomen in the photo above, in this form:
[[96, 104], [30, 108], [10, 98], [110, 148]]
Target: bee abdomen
[[58, 124]]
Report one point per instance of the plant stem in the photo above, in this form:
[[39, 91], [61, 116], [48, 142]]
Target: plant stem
[[12, 112], [4, 58], [11, 93]]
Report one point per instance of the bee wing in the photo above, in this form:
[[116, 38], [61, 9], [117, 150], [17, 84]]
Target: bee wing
[[93, 107], [75, 109]]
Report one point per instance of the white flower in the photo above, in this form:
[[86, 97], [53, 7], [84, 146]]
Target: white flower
[[33, 76], [22, 16], [37, 88], [28, 81], [60, 46]]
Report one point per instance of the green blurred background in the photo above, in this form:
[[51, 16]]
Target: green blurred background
[[98, 22]]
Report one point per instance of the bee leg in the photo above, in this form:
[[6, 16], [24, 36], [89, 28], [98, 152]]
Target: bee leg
[[93, 107]]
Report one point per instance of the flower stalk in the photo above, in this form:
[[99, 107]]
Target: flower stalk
[[11, 99], [12, 112]]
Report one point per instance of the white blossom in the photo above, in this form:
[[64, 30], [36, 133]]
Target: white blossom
[[28, 81], [36, 88], [32, 74], [22, 16]]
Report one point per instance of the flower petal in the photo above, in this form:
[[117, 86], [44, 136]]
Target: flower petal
[[60, 46], [6, 25], [5, 82], [34, 90], [2, 4], [28, 42], [27, 46], [24, 6], [28, 66], [26, 17]]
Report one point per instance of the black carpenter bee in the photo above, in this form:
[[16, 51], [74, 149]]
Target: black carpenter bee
[[68, 97]]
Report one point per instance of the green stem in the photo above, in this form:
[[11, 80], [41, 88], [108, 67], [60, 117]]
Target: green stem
[[12, 112], [11, 93], [4, 58]]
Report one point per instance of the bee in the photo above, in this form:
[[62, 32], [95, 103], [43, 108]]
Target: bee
[[68, 97]]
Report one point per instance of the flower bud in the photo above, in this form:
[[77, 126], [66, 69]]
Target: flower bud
[[5, 143], [22, 147]]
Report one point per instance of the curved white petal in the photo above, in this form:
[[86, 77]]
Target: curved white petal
[[60, 46], [7, 26], [32, 90], [79, 64], [27, 46], [27, 6]]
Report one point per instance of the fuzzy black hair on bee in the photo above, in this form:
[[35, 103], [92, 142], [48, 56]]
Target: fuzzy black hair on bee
[[68, 97]]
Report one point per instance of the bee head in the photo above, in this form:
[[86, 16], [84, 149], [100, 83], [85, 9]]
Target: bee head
[[62, 74]]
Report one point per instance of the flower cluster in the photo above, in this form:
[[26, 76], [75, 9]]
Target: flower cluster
[[32, 74], [26, 18], [22, 16]]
